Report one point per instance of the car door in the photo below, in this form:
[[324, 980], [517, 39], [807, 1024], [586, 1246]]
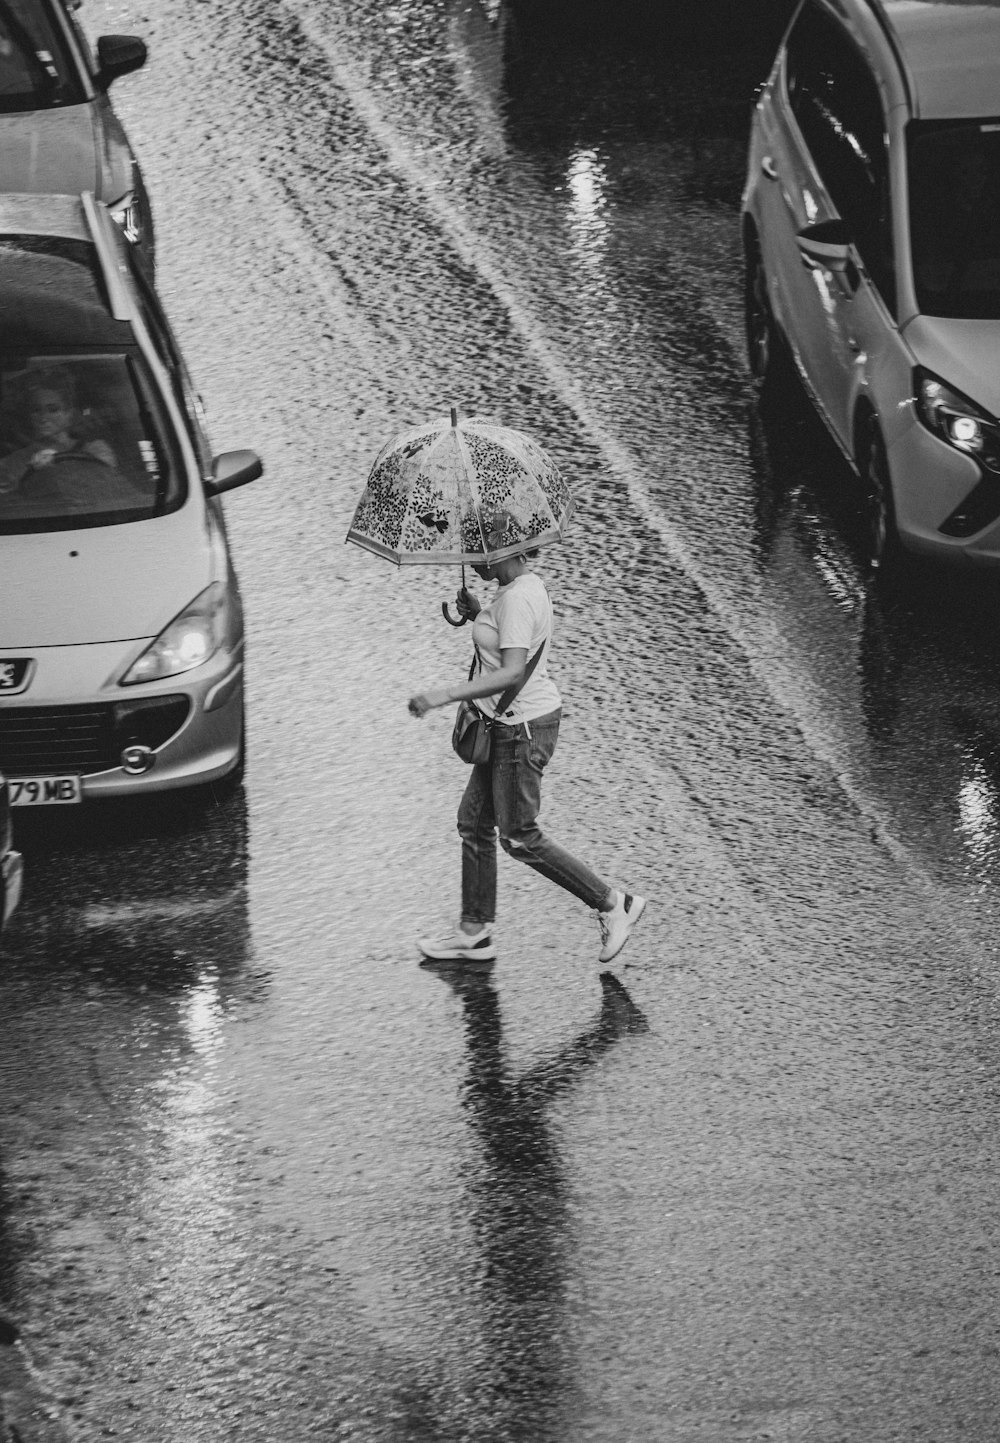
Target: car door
[[839, 110], [788, 200]]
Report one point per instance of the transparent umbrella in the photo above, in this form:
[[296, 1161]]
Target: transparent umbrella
[[460, 491]]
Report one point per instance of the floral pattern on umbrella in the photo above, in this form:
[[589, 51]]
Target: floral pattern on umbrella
[[465, 491]]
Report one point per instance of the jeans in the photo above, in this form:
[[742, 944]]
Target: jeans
[[505, 795]]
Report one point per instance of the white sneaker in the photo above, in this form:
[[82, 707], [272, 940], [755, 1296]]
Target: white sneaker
[[457, 947], [616, 925]]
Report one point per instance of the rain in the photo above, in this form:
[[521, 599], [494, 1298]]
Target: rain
[[263, 1175]]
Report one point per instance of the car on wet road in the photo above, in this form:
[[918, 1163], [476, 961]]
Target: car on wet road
[[121, 626], [59, 132], [871, 229]]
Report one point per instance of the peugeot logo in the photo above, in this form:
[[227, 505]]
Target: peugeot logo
[[15, 674]]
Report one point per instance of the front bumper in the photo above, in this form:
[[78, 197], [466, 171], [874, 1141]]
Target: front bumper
[[205, 749], [205, 746], [930, 480]]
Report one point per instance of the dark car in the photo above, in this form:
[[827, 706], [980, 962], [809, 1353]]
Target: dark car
[[10, 861], [58, 131]]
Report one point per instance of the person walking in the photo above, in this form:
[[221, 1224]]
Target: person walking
[[504, 793]]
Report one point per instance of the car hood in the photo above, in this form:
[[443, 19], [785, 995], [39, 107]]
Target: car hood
[[962, 353], [50, 151], [102, 584]]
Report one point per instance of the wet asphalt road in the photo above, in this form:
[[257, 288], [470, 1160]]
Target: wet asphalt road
[[263, 1177]]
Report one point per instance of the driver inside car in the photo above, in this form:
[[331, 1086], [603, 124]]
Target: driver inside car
[[58, 464]]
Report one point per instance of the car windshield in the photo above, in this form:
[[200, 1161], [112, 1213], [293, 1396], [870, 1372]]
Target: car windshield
[[35, 70], [954, 172], [83, 442]]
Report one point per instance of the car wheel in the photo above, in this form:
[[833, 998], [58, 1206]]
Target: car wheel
[[766, 352], [881, 539]]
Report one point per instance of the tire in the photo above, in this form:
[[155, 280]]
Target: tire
[[767, 354], [880, 536]]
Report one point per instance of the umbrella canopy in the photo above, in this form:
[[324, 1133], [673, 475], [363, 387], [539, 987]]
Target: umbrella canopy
[[461, 491]]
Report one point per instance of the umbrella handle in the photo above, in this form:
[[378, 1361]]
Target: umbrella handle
[[444, 605]]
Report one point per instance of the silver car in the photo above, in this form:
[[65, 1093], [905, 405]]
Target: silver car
[[121, 629], [58, 130], [871, 229]]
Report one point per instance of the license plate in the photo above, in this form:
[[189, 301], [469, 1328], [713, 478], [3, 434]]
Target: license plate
[[44, 791]]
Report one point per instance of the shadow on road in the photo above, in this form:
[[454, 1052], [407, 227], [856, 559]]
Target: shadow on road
[[518, 1202]]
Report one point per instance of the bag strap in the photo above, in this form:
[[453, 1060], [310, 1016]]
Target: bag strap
[[508, 696]]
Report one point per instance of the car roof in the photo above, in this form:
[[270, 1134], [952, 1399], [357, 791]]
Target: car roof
[[52, 291], [951, 51]]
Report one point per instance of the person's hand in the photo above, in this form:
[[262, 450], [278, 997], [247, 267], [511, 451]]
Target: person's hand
[[426, 701], [44, 456], [100, 450], [468, 605]]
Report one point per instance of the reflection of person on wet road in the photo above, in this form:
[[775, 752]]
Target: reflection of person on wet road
[[505, 793], [518, 1195]]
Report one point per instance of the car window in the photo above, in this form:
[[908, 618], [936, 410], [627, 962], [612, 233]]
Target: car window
[[954, 180], [836, 103], [83, 442], [86, 49], [166, 348], [35, 71]]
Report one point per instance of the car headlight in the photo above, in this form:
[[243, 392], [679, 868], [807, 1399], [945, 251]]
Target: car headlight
[[957, 420], [190, 640], [126, 213]]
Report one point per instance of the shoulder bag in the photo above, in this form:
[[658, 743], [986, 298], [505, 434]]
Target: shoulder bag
[[472, 734]]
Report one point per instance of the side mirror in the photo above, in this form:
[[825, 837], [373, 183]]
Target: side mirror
[[827, 244], [828, 247], [118, 55], [232, 469]]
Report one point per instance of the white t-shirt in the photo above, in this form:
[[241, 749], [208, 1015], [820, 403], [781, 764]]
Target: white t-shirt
[[520, 614]]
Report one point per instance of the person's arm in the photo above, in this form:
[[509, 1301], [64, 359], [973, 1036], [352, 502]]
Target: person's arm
[[15, 467], [513, 660], [10, 475], [100, 450]]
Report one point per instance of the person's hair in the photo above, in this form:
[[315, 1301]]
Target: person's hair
[[57, 379]]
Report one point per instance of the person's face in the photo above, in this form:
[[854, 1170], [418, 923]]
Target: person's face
[[50, 414], [485, 573]]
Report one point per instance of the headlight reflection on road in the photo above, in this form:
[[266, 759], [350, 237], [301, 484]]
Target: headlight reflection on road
[[587, 181], [198, 1250], [203, 1017], [979, 813]]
